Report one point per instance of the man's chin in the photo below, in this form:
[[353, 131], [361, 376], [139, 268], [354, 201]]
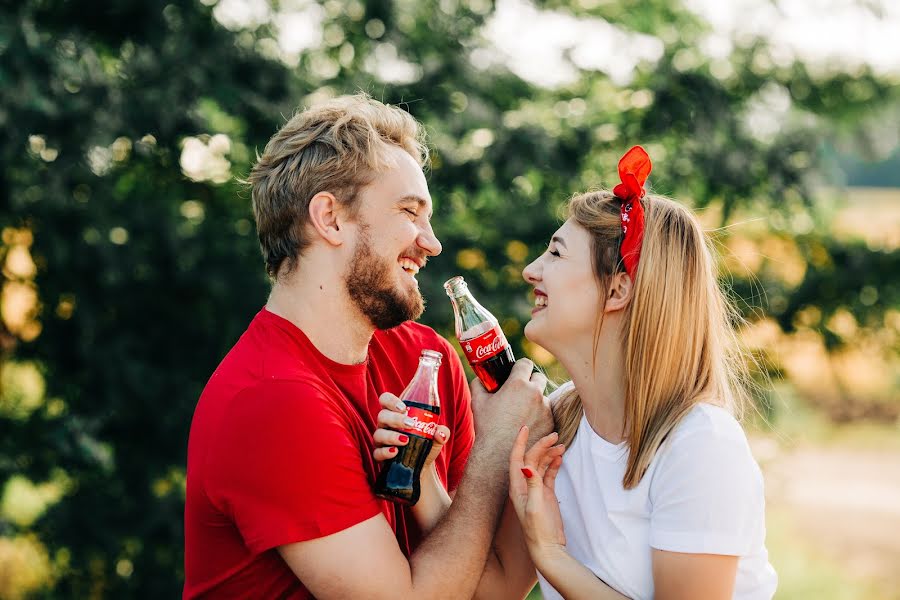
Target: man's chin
[[408, 311]]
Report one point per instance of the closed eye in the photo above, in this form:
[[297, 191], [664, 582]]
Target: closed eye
[[553, 252], [412, 213]]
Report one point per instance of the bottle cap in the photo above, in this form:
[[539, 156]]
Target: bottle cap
[[456, 286], [432, 355]]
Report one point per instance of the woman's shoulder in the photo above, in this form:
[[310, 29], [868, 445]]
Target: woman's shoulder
[[707, 430], [709, 421], [708, 450]]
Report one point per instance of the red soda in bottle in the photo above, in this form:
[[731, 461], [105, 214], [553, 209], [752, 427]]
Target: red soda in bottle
[[399, 477], [480, 336]]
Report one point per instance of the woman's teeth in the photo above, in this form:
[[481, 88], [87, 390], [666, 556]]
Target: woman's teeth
[[540, 301], [409, 266]]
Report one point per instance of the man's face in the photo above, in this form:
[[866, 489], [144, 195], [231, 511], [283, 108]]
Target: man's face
[[394, 241]]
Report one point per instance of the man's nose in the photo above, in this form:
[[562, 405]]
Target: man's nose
[[428, 241]]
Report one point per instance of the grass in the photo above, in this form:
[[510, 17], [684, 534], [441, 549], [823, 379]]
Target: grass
[[804, 573]]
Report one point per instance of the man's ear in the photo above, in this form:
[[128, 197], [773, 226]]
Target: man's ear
[[326, 218], [620, 291]]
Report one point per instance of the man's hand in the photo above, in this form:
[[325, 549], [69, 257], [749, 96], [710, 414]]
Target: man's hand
[[520, 401]]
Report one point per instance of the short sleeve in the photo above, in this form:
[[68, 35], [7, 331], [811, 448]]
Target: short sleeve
[[287, 468], [707, 494], [462, 435]]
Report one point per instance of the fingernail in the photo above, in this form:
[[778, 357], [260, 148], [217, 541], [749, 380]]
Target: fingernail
[[443, 434], [400, 406], [523, 427], [409, 422], [404, 439], [393, 450], [527, 473]]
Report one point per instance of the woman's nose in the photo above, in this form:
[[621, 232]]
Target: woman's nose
[[531, 273]]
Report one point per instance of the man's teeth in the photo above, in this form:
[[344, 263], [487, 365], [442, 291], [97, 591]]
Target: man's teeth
[[409, 266], [540, 300]]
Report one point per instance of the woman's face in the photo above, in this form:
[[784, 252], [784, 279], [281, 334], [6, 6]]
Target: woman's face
[[568, 300]]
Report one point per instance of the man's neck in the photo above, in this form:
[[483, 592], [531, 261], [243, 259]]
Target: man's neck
[[320, 307]]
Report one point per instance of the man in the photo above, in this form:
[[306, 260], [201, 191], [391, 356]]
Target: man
[[280, 468]]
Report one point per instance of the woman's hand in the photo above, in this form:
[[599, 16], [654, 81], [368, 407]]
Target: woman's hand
[[390, 418], [532, 476]]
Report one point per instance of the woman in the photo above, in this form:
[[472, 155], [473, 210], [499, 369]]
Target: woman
[[658, 495]]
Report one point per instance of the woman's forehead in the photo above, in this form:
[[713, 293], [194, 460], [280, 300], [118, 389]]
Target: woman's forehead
[[572, 233]]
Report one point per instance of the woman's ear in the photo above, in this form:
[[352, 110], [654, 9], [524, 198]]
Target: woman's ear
[[325, 218], [619, 292]]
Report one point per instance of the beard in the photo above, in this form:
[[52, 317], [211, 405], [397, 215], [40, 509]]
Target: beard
[[372, 287]]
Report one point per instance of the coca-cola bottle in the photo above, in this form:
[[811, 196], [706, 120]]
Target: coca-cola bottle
[[399, 477], [480, 336]]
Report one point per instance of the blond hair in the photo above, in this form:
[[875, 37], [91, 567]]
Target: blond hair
[[337, 146], [679, 345]]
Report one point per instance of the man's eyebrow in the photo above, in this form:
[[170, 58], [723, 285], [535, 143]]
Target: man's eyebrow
[[422, 202], [560, 241]]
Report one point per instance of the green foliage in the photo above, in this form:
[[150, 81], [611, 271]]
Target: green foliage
[[146, 277]]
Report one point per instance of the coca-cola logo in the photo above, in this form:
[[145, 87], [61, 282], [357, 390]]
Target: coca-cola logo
[[491, 349], [486, 345], [426, 428]]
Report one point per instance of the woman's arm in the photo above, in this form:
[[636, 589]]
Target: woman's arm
[[433, 502], [676, 576], [572, 579]]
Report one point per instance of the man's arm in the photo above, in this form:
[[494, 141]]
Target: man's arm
[[365, 560], [509, 572]]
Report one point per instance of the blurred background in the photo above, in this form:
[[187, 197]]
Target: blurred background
[[130, 264]]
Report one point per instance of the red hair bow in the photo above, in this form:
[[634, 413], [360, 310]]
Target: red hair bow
[[634, 168]]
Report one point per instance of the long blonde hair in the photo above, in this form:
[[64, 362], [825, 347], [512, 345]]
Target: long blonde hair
[[678, 339]]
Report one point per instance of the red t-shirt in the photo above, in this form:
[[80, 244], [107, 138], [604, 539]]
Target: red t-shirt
[[280, 451]]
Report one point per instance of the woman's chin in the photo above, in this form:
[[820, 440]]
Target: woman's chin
[[532, 332]]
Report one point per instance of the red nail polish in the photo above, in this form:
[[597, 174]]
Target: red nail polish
[[404, 439], [527, 473], [393, 450]]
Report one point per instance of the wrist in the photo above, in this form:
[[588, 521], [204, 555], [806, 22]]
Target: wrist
[[491, 453], [429, 477], [548, 557]]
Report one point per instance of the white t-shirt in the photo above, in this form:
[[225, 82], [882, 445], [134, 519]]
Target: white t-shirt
[[702, 494]]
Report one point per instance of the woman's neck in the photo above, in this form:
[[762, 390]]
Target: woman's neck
[[600, 384]]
